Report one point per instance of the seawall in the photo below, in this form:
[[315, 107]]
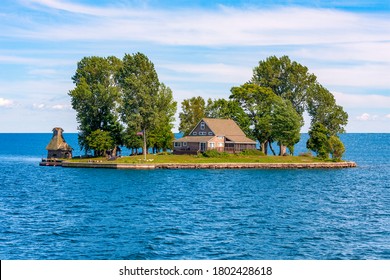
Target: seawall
[[316, 165]]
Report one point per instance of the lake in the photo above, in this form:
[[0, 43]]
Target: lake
[[61, 213]]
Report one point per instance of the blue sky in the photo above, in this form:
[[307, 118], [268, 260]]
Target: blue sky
[[198, 48]]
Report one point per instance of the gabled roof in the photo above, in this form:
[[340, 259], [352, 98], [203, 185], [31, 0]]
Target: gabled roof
[[57, 141], [224, 127], [221, 127], [194, 139]]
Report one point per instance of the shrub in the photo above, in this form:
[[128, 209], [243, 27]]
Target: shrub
[[214, 153], [306, 154], [252, 152], [164, 153]]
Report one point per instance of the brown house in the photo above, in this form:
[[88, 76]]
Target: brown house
[[223, 135], [57, 147]]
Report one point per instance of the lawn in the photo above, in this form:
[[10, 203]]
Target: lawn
[[230, 158]]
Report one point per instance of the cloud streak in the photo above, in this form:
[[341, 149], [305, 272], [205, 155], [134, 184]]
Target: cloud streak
[[223, 26]]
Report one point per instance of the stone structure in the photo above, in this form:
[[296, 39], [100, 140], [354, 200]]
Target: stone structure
[[58, 148]]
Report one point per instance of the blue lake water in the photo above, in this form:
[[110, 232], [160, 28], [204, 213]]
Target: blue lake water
[[59, 213]]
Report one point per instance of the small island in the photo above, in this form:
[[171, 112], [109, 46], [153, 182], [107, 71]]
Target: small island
[[122, 103], [227, 161]]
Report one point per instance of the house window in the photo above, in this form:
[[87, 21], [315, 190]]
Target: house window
[[202, 125], [212, 145], [220, 144], [202, 133], [177, 144], [194, 133], [210, 133], [184, 144]]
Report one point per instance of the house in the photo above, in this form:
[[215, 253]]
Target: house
[[223, 135], [57, 147]]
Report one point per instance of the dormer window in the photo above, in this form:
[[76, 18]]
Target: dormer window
[[194, 133], [202, 125]]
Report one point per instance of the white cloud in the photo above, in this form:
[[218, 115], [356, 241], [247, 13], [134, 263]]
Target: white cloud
[[223, 26], [388, 116], [217, 72], [7, 103], [59, 107], [367, 117], [372, 101]]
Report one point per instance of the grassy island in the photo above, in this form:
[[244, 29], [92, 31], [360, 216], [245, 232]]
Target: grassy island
[[168, 161]]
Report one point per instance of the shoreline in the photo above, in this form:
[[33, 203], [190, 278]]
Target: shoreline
[[140, 166]]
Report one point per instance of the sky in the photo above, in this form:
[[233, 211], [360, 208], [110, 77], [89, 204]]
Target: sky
[[199, 48]]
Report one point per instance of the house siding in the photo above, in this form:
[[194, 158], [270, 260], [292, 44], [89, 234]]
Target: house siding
[[198, 131]]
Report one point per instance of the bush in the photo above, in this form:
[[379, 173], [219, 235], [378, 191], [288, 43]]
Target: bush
[[252, 152], [214, 153], [164, 153], [306, 154]]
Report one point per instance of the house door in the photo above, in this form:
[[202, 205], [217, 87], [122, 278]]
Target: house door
[[202, 146]]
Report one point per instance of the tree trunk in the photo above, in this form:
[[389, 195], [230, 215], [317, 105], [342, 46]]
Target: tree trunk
[[114, 151], [264, 147], [272, 149], [144, 149], [283, 149]]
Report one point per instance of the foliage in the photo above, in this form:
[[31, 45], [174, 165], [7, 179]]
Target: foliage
[[161, 136], [271, 117], [322, 107], [214, 154], [336, 147], [293, 82], [323, 143], [287, 79], [318, 140], [306, 154], [96, 98], [100, 141], [116, 95], [193, 110], [252, 153]]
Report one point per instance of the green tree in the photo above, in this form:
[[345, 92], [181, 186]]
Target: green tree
[[139, 86], [95, 98], [161, 134], [286, 126], [100, 141], [318, 140], [287, 79], [271, 117], [336, 147], [293, 82], [322, 108], [193, 110]]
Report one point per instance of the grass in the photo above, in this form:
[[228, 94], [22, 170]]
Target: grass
[[230, 158]]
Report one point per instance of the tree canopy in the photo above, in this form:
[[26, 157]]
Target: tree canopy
[[271, 117], [123, 98], [96, 98], [122, 102]]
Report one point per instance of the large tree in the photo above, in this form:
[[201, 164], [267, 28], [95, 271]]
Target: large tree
[[96, 98], [193, 110], [161, 133], [271, 117], [322, 108], [139, 87], [287, 79], [293, 82]]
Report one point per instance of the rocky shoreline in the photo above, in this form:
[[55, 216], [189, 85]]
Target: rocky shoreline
[[317, 165]]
